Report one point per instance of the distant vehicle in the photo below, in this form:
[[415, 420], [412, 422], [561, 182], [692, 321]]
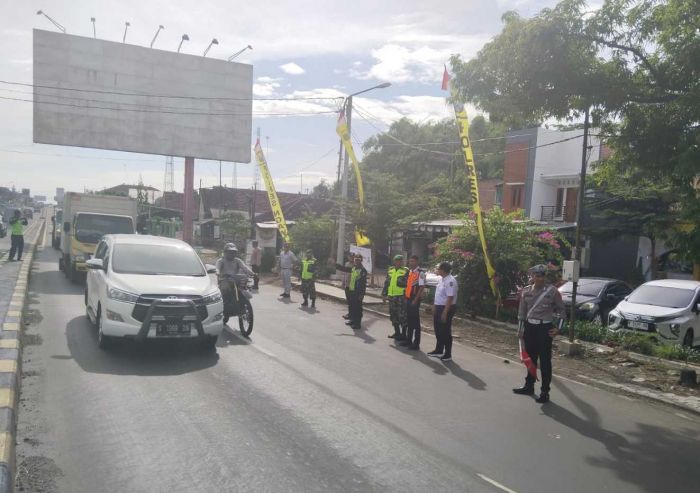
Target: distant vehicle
[[28, 212], [595, 297], [86, 218], [669, 308], [8, 212], [124, 273]]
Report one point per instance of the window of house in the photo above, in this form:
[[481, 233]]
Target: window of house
[[517, 196], [560, 202]]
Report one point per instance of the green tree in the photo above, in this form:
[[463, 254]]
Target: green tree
[[234, 226], [315, 233], [635, 62]]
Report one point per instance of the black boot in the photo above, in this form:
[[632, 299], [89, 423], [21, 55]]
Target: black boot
[[313, 303], [305, 303], [524, 390], [543, 398]]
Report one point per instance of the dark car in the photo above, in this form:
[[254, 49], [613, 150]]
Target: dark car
[[595, 297]]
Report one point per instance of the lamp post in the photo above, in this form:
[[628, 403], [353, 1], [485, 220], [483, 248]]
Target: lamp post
[[94, 30], [126, 28], [60, 27], [157, 32], [213, 42], [235, 55], [185, 37], [344, 183]]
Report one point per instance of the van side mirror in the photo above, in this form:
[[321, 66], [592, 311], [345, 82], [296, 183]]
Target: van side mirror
[[95, 263], [66, 227], [211, 269]]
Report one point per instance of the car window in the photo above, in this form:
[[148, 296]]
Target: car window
[[101, 250], [146, 259], [586, 287], [618, 289], [665, 296]]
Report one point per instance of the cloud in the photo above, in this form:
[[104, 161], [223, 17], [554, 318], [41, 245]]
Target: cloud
[[267, 80], [266, 89], [292, 68]]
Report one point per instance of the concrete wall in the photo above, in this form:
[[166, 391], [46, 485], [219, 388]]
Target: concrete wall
[[140, 119], [562, 158]]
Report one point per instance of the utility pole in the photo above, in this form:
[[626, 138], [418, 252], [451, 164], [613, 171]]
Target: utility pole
[[255, 194], [576, 254]]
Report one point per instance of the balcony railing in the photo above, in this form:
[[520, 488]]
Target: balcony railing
[[558, 213]]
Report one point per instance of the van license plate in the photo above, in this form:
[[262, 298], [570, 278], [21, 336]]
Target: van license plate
[[173, 330], [637, 325]]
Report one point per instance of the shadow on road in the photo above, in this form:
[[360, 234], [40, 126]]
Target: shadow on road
[[154, 358], [444, 368], [54, 282], [652, 458]]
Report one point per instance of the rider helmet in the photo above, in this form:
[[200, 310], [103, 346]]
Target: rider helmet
[[230, 247]]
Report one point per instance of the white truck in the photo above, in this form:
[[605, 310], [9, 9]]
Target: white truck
[[86, 219]]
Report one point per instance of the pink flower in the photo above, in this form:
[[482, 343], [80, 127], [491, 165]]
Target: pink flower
[[467, 255]]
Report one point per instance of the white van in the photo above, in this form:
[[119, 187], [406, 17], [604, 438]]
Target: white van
[[669, 308]]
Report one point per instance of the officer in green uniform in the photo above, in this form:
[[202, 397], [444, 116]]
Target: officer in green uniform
[[17, 224], [394, 289], [308, 279]]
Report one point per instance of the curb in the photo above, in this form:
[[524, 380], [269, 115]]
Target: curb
[[11, 367], [672, 400]]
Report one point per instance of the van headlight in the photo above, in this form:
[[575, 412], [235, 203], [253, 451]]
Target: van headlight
[[212, 298], [123, 296], [586, 307], [675, 329]]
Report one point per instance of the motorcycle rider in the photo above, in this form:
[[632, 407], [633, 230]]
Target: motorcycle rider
[[228, 267]]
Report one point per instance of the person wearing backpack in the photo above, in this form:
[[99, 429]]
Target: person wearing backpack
[[539, 303]]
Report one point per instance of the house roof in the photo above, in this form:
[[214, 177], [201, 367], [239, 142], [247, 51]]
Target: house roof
[[124, 188], [294, 205]]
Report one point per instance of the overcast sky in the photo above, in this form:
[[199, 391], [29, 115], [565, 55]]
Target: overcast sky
[[299, 48]]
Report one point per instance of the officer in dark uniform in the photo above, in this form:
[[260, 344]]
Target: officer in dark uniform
[[539, 303], [357, 286]]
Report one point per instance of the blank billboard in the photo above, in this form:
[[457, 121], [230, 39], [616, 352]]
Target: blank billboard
[[106, 95]]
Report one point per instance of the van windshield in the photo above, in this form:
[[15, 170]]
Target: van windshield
[[662, 296], [90, 228], [168, 260]]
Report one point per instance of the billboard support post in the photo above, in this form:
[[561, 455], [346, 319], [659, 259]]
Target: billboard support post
[[187, 200]]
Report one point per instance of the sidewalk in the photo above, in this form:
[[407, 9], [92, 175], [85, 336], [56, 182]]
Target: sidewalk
[[611, 369]]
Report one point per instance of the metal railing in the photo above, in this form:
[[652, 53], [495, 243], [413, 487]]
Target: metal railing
[[557, 213]]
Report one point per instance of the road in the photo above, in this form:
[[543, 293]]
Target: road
[[308, 405]]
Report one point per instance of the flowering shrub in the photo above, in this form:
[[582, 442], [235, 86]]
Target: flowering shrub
[[514, 245]]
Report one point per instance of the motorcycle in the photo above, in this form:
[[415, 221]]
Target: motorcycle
[[236, 293]]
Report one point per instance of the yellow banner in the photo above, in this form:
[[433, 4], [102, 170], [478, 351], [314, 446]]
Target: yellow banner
[[342, 130], [463, 124], [344, 133], [271, 193]]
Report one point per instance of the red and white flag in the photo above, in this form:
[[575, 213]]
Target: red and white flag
[[445, 80]]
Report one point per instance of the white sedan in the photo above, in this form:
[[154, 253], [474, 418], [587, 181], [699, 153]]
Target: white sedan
[[150, 287]]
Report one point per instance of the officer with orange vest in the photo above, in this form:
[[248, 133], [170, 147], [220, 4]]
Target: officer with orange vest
[[414, 294], [394, 290]]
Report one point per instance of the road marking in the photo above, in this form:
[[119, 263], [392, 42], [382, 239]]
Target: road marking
[[495, 483], [9, 343], [6, 441], [8, 365], [7, 397]]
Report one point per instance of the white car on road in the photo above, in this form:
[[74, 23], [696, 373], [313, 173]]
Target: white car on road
[[141, 287], [669, 308]]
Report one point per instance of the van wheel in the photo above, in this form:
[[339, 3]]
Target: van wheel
[[688, 339]]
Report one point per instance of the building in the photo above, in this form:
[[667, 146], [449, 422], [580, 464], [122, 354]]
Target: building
[[60, 192]]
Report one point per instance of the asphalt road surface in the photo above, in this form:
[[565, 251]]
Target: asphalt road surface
[[308, 405]]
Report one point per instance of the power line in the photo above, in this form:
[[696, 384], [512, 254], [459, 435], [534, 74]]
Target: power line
[[147, 95], [139, 110], [80, 157]]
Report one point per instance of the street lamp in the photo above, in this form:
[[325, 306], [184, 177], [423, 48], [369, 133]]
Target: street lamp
[[213, 42], [185, 37], [344, 187], [154, 37], [126, 28], [94, 31], [232, 57], [41, 12]]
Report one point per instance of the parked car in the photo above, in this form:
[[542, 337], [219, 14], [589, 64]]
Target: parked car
[[595, 297], [669, 308], [150, 287]]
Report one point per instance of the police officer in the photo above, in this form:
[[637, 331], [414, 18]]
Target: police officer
[[394, 290], [308, 279], [17, 224], [357, 286], [414, 294], [286, 262], [539, 303]]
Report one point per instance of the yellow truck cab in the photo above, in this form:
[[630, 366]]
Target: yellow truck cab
[[86, 219]]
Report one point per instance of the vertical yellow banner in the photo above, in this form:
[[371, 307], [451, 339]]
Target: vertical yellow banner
[[271, 192]]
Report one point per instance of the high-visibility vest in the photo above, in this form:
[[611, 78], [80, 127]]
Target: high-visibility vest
[[397, 285], [413, 277], [354, 274], [17, 228], [305, 273]]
